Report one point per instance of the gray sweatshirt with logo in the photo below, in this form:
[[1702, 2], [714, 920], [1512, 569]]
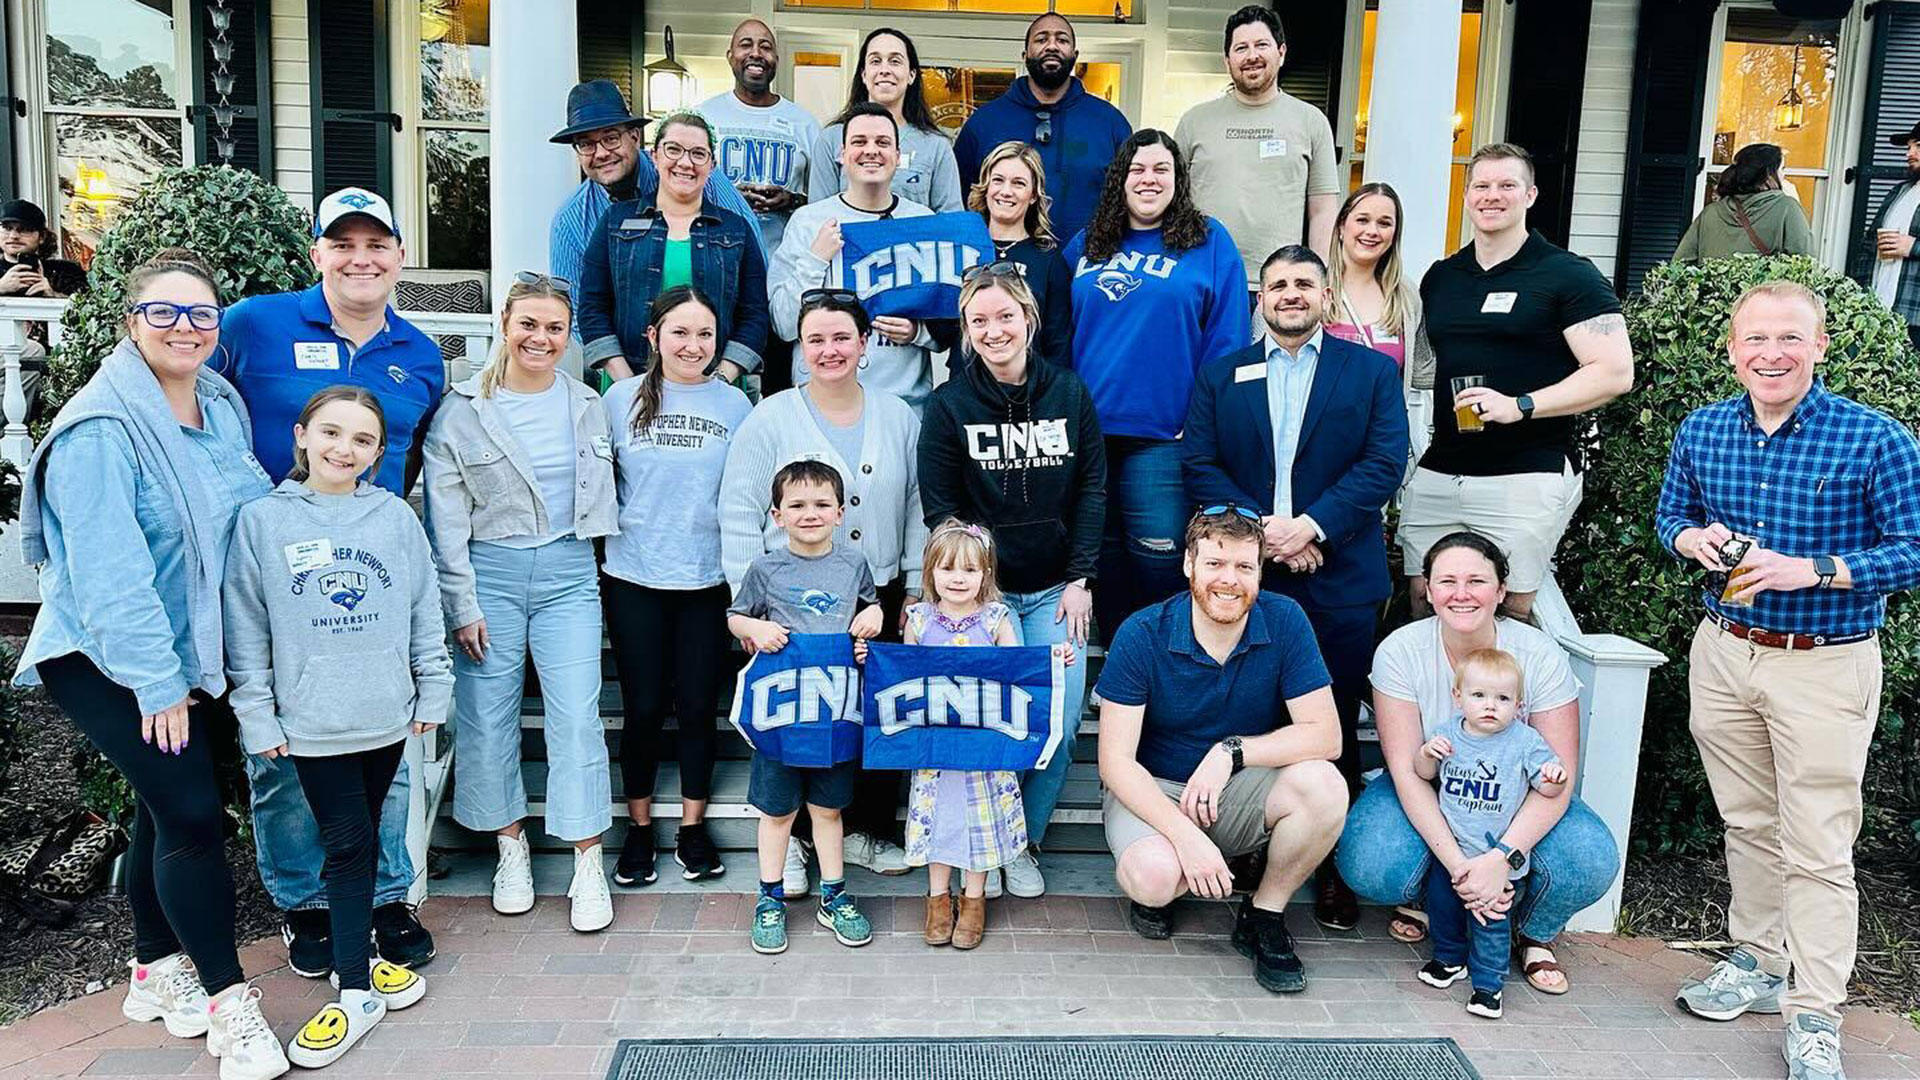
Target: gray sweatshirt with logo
[[335, 641]]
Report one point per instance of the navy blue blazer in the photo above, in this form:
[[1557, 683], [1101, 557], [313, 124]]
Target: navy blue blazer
[[1352, 454]]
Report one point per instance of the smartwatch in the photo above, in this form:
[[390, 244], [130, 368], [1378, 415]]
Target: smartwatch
[[1525, 401], [1516, 859], [1234, 747], [1824, 566]]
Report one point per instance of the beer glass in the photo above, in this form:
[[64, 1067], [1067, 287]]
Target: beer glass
[[1732, 553], [1464, 417]]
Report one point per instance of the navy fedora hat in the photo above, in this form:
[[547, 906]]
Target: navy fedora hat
[[594, 105]]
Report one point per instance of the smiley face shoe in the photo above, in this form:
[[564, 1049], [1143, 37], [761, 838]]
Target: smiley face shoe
[[335, 1028], [397, 987]]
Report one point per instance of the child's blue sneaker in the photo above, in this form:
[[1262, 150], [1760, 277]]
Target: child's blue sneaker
[[839, 914], [769, 926]]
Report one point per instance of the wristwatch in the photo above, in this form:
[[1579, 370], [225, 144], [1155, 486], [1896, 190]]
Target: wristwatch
[[1233, 745], [1826, 568], [1516, 858], [1525, 401]]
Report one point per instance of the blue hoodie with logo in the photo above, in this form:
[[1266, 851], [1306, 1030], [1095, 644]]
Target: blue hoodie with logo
[[1085, 133]]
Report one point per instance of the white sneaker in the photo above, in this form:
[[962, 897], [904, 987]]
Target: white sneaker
[[793, 879], [396, 986], [513, 877], [592, 902], [168, 989], [959, 885], [1023, 876], [877, 855], [333, 1030], [239, 1036]]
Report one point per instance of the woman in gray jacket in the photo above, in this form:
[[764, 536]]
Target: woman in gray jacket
[[519, 467]]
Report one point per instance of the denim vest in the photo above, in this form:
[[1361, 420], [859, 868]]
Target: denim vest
[[621, 276]]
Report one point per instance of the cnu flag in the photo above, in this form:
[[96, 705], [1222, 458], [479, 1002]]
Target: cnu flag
[[801, 705], [941, 707], [912, 267]]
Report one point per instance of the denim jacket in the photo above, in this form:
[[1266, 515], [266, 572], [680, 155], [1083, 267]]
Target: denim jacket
[[480, 485], [624, 262]]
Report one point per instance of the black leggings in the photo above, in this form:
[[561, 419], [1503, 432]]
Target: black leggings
[[345, 792], [670, 649], [178, 884]]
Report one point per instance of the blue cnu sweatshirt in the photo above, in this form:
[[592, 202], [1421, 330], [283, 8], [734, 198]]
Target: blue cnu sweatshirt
[[1147, 318], [1085, 131]]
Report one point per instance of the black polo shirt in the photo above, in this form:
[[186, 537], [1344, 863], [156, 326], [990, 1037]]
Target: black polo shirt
[[1505, 323]]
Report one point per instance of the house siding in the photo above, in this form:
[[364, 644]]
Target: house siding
[[1602, 162], [292, 102]]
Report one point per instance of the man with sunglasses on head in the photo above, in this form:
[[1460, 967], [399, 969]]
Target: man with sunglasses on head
[[1075, 133], [279, 350], [1217, 738]]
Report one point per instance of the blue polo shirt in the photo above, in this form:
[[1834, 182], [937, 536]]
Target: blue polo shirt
[[1191, 701], [279, 350]]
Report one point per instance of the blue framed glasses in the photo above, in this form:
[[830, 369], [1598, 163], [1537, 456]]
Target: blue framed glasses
[[1226, 508], [162, 315]]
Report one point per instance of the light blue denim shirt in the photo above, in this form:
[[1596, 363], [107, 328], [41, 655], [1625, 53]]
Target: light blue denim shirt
[[116, 583], [1289, 382]]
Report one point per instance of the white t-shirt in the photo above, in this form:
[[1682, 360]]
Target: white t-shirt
[[542, 424], [1886, 272], [1411, 664], [763, 146]]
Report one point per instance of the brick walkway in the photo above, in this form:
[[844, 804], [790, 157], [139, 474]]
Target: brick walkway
[[527, 997]]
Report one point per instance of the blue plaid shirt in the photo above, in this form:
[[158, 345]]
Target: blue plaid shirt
[[1838, 478]]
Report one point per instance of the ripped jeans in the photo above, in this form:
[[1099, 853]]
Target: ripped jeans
[[1147, 516]]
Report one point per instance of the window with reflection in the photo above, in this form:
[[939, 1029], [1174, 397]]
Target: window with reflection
[[1777, 82], [453, 131]]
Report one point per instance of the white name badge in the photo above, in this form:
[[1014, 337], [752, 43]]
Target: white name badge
[[316, 356], [782, 124], [906, 160], [1250, 372], [1272, 148], [309, 555], [1051, 435], [1499, 303]]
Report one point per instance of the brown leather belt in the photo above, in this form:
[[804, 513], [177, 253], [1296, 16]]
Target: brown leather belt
[[1772, 640]]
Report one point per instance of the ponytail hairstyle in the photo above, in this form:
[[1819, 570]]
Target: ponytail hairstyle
[[525, 285], [646, 402], [359, 395]]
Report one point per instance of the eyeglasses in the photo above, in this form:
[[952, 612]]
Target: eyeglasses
[[162, 315], [587, 144], [837, 296], [695, 155], [1229, 508], [555, 281], [996, 268], [1043, 126]]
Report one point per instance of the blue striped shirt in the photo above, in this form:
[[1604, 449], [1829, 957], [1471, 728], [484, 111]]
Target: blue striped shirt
[[574, 222], [1837, 478]]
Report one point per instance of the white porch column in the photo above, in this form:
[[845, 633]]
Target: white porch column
[[534, 57], [1416, 56]]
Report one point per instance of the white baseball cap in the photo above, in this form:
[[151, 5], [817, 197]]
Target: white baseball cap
[[352, 201]]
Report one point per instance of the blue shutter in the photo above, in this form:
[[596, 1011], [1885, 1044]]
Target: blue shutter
[[353, 118], [1892, 108]]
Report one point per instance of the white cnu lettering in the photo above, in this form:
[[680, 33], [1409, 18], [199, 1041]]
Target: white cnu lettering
[[807, 695], [1157, 265], [939, 262], [1002, 442], [959, 701]]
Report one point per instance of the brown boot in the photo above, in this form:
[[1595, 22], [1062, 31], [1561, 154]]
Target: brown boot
[[939, 919], [972, 923]]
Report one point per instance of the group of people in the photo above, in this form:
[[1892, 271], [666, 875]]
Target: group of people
[[1112, 453]]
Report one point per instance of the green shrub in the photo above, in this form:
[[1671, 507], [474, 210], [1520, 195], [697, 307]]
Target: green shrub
[[1617, 576], [247, 229]]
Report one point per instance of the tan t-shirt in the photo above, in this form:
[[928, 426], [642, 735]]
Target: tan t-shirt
[[1253, 167]]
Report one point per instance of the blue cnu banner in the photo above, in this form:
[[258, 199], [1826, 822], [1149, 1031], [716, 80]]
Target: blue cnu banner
[[943, 707], [913, 267], [801, 705]]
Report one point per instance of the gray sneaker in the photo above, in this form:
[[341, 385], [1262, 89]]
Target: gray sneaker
[[1023, 876], [1735, 985], [1813, 1049]]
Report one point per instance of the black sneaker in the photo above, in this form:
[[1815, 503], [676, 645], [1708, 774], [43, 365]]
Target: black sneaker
[[309, 938], [1262, 935], [1442, 975], [1486, 1004], [636, 858], [693, 849], [1152, 923], [398, 936], [1334, 905]]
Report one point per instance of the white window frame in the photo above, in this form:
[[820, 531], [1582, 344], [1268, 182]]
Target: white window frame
[[410, 142]]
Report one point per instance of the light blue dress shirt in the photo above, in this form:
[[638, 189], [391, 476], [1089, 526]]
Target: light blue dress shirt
[[1289, 382]]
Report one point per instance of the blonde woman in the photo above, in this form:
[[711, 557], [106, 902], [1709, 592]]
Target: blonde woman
[[1374, 305], [1011, 194], [519, 466]]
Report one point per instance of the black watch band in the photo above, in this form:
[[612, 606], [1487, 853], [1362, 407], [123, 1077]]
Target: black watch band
[[1824, 566], [1235, 749], [1525, 401]]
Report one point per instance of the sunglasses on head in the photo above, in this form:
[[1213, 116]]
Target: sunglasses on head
[[555, 281], [838, 296], [996, 268]]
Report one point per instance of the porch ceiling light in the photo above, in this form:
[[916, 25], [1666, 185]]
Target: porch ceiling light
[[669, 84], [1791, 113]]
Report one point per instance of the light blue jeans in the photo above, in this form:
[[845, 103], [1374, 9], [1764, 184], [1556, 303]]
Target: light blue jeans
[[548, 599], [1384, 859], [286, 839], [1040, 789]]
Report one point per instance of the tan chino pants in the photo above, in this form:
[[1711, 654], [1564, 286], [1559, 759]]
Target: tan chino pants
[[1784, 738]]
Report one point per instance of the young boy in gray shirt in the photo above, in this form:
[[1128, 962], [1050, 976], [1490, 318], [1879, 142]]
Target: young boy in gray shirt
[[812, 587], [1485, 767]]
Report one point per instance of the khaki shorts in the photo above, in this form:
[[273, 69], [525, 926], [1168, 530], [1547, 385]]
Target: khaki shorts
[[1525, 514], [1242, 826]]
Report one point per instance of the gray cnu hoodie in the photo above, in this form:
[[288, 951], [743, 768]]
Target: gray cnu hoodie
[[335, 642]]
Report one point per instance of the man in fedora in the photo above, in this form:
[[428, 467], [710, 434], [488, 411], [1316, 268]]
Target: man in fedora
[[605, 136], [1896, 268]]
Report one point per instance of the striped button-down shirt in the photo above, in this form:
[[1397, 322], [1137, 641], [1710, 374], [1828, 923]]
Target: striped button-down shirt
[[1837, 478], [574, 222]]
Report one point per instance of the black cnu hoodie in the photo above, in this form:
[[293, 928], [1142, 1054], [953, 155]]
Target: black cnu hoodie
[[1026, 462]]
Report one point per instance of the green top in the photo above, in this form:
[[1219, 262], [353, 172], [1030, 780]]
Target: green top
[[678, 266], [1776, 216]]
